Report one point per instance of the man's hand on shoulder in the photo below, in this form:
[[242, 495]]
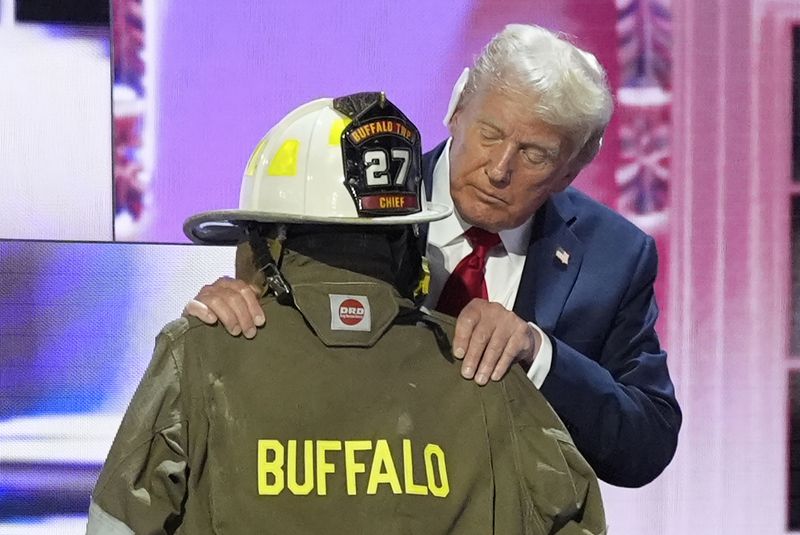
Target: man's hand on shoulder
[[490, 338], [233, 302]]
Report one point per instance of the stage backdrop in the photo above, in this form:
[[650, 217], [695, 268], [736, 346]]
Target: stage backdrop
[[195, 89], [55, 129], [195, 86]]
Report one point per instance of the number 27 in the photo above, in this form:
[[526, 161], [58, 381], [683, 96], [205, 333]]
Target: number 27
[[377, 166]]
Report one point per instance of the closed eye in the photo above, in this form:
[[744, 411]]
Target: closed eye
[[489, 135], [536, 157]]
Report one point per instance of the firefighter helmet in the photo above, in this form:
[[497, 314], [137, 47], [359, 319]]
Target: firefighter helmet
[[350, 160]]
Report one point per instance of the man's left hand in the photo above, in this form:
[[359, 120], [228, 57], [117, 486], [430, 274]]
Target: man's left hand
[[490, 338]]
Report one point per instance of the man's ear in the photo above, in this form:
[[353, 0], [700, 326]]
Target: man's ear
[[455, 97], [453, 119], [579, 161]]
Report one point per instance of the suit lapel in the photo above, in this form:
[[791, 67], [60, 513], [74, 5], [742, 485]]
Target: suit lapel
[[552, 264], [429, 160]]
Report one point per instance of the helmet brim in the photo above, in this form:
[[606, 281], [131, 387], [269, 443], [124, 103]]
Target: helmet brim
[[224, 227]]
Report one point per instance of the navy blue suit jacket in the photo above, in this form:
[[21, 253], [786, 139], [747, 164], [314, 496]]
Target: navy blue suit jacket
[[608, 381]]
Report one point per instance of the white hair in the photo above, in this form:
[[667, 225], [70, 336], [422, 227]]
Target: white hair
[[567, 86]]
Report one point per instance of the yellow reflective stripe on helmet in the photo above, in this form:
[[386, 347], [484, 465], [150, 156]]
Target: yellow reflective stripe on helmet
[[285, 161], [252, 163], [338, 126]]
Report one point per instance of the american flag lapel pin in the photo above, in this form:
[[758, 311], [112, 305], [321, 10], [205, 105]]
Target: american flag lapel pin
[[562, 255]]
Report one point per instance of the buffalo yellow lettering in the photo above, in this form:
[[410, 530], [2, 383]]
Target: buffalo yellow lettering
[[383, 470], [366, 467], [304, 488], [270, 469], [351, 466], [443, 488], [323, 466], [408, 472]]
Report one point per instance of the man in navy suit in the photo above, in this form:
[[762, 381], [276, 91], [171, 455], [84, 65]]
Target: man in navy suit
[[567, 283]]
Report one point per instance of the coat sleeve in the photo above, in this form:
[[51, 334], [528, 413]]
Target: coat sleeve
[[620, 408], [561, 487], [142, 486]]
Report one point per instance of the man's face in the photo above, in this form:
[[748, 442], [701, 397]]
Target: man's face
[[504, 161]]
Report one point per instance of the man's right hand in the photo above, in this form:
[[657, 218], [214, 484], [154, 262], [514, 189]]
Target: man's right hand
[[233, 302]]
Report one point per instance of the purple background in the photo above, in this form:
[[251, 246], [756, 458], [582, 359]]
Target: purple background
[[224, 76]]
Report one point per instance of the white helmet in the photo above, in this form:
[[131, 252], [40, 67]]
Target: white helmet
[[350, 160]]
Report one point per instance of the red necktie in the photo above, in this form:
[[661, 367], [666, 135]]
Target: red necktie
[[466, 281]]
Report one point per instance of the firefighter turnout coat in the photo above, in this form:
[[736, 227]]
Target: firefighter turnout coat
[[339, 417]]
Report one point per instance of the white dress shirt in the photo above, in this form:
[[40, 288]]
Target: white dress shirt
[[447, 246]]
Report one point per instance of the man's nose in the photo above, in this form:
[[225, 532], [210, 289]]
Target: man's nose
[[498, 168]]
